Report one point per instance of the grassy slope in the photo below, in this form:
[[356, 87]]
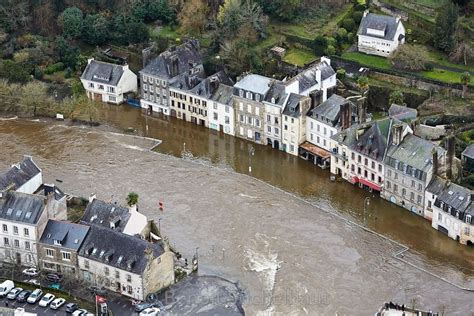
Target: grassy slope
[[299, 57]]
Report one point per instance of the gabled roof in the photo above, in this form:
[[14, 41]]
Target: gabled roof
[[118, 250], [46, 189], [207, 87], [387, 24], [415, 152], [451, 194], [103, 214], [70, 235], [469, 151], [254, 83], [185, 57], [22, 207], [308, 77], [19, 174], [330, 110], [102, 72], [223, 95], [292, 106], [402, 112], [186, 82], [276, 94]]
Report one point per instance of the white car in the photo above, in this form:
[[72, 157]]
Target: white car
[[151, 311], [47, 298], [6, 287], [82, 312], [14, 293], [35, 296], [57, 303], [31, 272], [33, 281]]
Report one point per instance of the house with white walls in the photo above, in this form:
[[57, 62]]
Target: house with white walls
[[221, 114], [380, 34], [107, 82], [24, 176]]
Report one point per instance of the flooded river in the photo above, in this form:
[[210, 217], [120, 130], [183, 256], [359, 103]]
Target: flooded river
[[287, 254]]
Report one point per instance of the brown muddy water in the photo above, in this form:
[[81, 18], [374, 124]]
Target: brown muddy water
[[288, 255]]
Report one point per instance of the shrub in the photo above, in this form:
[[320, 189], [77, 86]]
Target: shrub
[[409, 57], [341, 73], [348, 24], [330, 50], [429, 66], [38, 73], [357, 16], [51, 69]]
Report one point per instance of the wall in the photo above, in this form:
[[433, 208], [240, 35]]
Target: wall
[[159, 274], [32, 185]]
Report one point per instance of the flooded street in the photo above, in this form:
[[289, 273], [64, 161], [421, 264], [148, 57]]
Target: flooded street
[[287, 254]]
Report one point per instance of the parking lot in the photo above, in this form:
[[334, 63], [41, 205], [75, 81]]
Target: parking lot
[[33, 308]]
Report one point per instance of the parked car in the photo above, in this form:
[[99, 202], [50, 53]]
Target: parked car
[[71, 308], [33, 281], [6, 287], [23, 296], [14, 293], [31, 272], [54, 277], [82, 312], [144, 305], [46, 299], [151, 311], [57, 303], [35, 296], [95, 290]]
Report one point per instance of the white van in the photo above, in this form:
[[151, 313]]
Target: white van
[[6, 287]]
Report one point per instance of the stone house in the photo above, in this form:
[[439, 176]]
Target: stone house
[[106, 82], [59, 245], [161, 72], [24, 176], [294, 122], [380, 34], [274, 102], [127, 265]]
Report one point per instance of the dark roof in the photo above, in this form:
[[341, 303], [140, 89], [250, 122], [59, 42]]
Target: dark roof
[[207, 87], [22, 207], [70, 235], [402, 112], [104, 214], [46, 189], [469, 151], [387, 24], [455, 196], [117, 249], [436, 185], [276, 93], [326, 70], [224, 94], [102, 72], [330, 110], [292, 107], [185, 57], [307, 78], [19, 174], [415, 152], [186, 82]]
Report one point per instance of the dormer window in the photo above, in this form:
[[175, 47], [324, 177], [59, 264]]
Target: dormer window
[[241, 93], [57, 242], [249, 95], [273, 100], [468, 219], [257, 97]]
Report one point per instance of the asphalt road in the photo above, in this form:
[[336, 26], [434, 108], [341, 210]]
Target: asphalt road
[[33, 308]]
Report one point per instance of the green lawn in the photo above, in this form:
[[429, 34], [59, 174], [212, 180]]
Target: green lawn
[[439, 58], [299, 57], [368, 60], [444, 75], [168, 32]]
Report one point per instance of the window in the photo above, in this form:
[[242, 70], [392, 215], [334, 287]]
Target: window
[[227, 109], [66, 256], [420, 187], [440, 217], [380, 168], [145, 87], [352, 156], [117, 274], [311, 125], [129, 278], [395, 188], [373, 165], [227, 120], [129, 289], [215, 116], [16, 243], [214, 105], [412, 196], [112, 89], [359, 158], [366, 161], [242, 120], [269, 129], [257, 97], [257, 111], [467, 231], [49, 253], [86, 264], [241, 106], [277, 131], [413, 183], [404, 191], [114, 99], [57, 242], [358, 170], [324, 131], [249, 108], [396, 176], [317, 127], [286, 127], [5, 228], [101, 87], [372, 177], [26, 232], [380, 179], [388, 185], [145, 78], [6, 242], [418, 199], [27, 245], [249, 95], [15, 230], [257, 122], [106, 270]]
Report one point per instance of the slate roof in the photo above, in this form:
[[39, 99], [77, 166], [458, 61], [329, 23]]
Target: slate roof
[[185, 81], [277, 93], [330, 110], [102, 214], [70, 235], [223, 95], [386, 23], [415, 152], [102, 72], [19, 174], [373, 140], [307, 78], [254, 83], [456, 196], [117, 249], [46, 189], [469, 151], [436, 185], [402, 112], [22, 207], [186, 55], [292, 106], [207, 87]]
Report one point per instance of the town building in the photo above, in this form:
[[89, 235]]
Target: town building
[[410, 164], [59, 245], [467, 158], [161, 72], [294, 122], [274, 102], [221, 116], [23, 218], [380, 34], [249, 109], [24, 176], [402, 113], [453, 210], [320, 77], [324, 121], [115, 217], [358, 152], [106, 82], [125, 264]]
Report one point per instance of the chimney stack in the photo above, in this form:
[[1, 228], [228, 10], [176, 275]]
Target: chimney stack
[[345, 110], [397, 134], [450, 156], [435, 161], [316, 98], [362, 110]]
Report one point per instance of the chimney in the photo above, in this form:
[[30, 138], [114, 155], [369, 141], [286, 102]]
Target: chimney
[[92, 197], [450, 156], [316, 98], [365, 13], [89, 60], [345, 113], [434, 152], [362, 110], [325, 59], [397, 134], [360, 130], [133, 208], [318, 76]]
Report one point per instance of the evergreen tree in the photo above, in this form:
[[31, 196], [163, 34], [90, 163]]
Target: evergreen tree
[[446, 25]]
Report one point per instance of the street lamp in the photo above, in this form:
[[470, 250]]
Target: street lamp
[[366, 203], [251, 153]]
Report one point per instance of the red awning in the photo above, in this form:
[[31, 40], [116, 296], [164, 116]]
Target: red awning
[[367, 183]]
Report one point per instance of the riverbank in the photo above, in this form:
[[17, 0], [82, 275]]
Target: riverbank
[[288, 255]]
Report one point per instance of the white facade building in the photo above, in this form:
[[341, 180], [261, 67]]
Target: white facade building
[[106, 82], [294, 122], [25, 177], [380, 34], [221, 114]]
